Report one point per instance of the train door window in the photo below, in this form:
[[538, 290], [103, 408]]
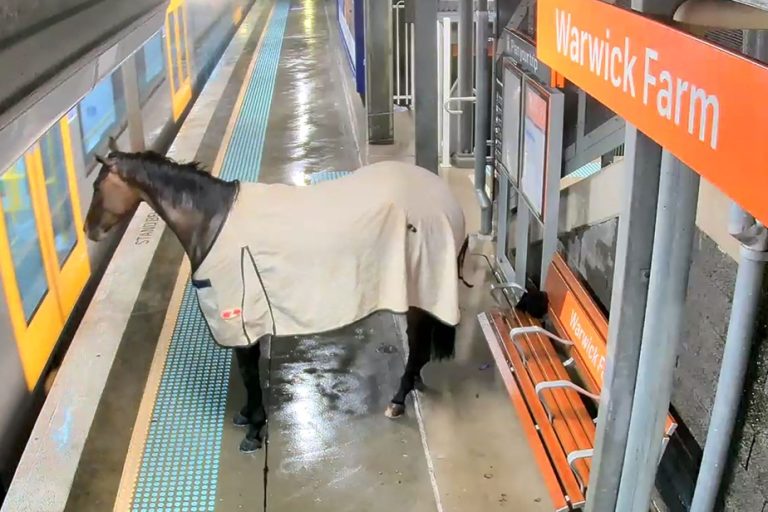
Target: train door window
[[43, 255], [177, 52], [61, 216], [26, 266], [185, 72], [23, 237], [59, 195], [173, 26]]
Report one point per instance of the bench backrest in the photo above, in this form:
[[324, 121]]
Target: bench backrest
[[578, 317]]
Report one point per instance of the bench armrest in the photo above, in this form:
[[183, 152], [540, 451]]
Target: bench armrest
[[508, 284], [578, 455], [517, 290], [558, 384], [535, 329]]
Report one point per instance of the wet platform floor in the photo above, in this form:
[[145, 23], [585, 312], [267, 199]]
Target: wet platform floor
[[330, 446]]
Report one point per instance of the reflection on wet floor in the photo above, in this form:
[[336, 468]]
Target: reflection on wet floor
[[331, 447], [309, 128]]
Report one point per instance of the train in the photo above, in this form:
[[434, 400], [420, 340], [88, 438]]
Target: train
[[144, 68]]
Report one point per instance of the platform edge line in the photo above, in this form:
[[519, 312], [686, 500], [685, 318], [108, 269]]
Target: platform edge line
[[238, 107], [400, 329], [125, 492], [132, 466]]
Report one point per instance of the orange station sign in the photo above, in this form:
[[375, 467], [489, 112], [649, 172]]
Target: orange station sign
[[700, 102]]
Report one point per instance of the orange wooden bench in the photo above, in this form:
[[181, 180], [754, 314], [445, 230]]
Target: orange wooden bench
[[551, 376]]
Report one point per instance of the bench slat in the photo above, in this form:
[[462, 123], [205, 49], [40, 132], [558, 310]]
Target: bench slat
[[570, 483], [534, 440], [555, 370], [569, 413]]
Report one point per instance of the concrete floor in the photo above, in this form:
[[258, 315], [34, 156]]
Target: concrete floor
[[458, 448]]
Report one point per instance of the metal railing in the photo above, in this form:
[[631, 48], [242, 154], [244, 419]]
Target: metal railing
[[404, 32]]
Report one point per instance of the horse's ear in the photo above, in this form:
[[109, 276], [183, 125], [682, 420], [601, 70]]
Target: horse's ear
[[106, 161], [112, 144]]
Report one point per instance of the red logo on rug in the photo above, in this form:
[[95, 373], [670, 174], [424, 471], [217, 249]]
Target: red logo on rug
[[229, 314]]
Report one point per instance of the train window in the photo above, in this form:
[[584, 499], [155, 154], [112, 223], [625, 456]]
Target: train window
[[23, 237], [102, 113], [150, 64], [184, 63], [59, 196]]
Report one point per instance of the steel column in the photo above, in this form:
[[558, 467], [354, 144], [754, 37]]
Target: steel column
[[464, 85], [482, 123], [378, 72], [628, 306], [628, 301], [425, 87], [671, 260], [130, 79]]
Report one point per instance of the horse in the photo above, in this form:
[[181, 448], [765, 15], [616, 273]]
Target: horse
[[409, 266]]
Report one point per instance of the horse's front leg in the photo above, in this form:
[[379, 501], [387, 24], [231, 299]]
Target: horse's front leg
[[253, 414], [420, 332]]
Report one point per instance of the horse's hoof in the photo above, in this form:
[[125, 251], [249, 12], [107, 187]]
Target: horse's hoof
[[394, 410], [240, 420], [250, 445]]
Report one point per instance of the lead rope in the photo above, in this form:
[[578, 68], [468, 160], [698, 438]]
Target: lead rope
[[268, 387], [266, 426]]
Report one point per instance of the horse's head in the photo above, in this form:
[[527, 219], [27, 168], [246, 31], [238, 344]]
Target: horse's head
[[113, 198]]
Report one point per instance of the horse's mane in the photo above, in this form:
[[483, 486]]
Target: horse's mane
[[178, 183]]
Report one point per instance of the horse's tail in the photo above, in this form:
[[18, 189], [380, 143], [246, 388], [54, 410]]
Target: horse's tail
[[443, 342], [460, 261]]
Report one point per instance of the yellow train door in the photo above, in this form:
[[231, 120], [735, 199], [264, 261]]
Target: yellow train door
[[178, 57], [43, 257]]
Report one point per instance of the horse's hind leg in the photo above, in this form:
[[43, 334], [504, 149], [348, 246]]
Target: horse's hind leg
[[253, 414], [420, 330]]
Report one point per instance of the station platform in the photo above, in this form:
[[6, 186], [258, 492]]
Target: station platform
[[140, 416]]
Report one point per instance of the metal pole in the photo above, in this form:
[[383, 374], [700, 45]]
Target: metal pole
[[465, 74], [746, 300], [730, 385], [445, 78], [412, 63], [481, 116], [628, 307], [671, 260], [378, 70], [133, 104], [396, 7], [425, 87], [628, 301]]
